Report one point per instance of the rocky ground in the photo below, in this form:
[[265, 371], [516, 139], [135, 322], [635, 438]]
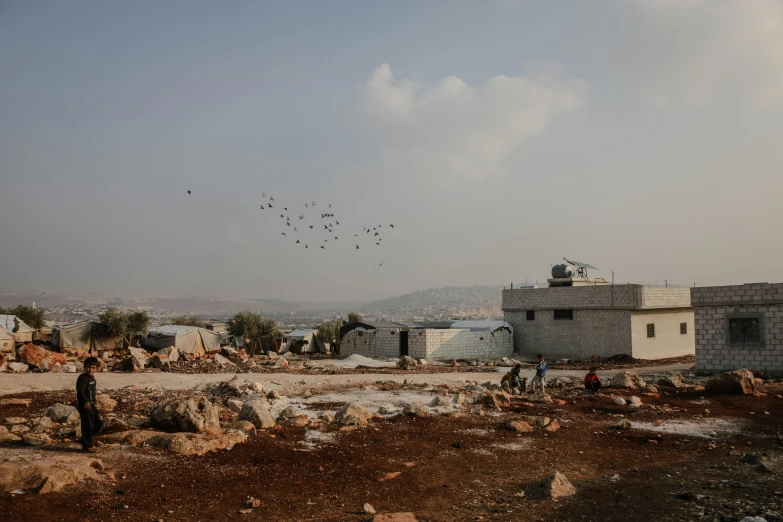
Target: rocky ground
[[670, 450]]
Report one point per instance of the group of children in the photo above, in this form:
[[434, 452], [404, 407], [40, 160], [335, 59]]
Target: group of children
[[592, 380]]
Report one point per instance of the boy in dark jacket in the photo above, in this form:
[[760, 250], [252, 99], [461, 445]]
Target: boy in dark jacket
[[85, 398]]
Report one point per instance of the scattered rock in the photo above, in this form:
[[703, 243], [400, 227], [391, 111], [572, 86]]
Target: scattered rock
[[672, 381], [281, 362], [36, 439], [622, 424], [619, 401], [626, 379], [395, 517], [406, 362], [552, 426], [495, 398], [273, 395], [7, 436], [518, 426], [353, 414], [369, 509], [242, 425], [160, 361], [440, 400], [222, 361], [68, 368], [130, 437], [105, 403], [55, 367], [634, 402], [47, 473], [189, 444], [416, 410], [234, 405], [738, 382], [171, 353], [289, 413], [12, 421], [17, 367], [195, 416], [62, 414], [35, 355], [15, 402], [257, 413], [554, 486], [140, 355], [389, 476], [43, 424]]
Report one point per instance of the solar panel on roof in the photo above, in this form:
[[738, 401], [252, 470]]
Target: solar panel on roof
[[581, 265]]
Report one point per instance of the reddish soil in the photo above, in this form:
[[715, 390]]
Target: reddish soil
[[620, 362], [462, 468]]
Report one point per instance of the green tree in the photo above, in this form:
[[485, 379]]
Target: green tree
[[116, 323], [329, 331], [252, 327], [184, 320], [354, 317], [33, 317]]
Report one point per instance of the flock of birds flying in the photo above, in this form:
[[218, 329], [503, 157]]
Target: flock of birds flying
[[310, 220]]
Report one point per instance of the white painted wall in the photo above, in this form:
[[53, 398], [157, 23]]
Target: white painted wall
[[668, 341]]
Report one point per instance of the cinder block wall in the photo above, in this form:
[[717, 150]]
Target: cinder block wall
[[591, 332], [712, 305], [450, 344], [383, 342]]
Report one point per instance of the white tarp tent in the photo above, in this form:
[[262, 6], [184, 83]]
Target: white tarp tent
[[82, 336], [190, 341], [304, 340], [22, 332], [7, 341]]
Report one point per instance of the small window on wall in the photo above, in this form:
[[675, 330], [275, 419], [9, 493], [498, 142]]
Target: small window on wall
[[683, 328], [745, 330], [564, 315], [360, 333], [531, 315], [650, 330]]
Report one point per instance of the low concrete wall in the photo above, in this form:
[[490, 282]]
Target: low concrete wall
[[436, 344]]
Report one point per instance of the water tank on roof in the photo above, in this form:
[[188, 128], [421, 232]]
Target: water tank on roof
[[562, 271]]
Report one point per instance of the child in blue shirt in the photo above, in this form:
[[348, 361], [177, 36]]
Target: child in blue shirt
[[541, 369]]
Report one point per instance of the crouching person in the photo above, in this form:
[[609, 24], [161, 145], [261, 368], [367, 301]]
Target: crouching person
[[86, 404], [512, 380], [592, 381]]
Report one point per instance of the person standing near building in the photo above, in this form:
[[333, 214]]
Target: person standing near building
[[541, 369], [87, 404]]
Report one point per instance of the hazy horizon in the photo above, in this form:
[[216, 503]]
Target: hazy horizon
[[497, 137]]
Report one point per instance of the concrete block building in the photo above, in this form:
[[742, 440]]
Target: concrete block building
[[739, 327], [446, 340], [591, 318]]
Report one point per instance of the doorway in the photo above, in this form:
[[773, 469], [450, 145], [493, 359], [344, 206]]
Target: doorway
[[403, 344]]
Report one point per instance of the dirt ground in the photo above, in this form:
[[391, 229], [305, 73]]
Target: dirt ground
[[451, 468]]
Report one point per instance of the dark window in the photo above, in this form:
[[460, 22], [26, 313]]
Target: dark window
[[531, 315], [651, 330], [744, 330], [361, 333], [564, 315], [683, 328]]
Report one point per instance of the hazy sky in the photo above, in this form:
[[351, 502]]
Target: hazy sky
[[497, 136]]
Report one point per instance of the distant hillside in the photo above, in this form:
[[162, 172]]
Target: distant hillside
[[436, 303]]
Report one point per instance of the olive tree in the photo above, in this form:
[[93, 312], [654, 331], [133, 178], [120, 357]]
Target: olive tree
[[252, 327], [184, 320], [128, 325], [354, 317], [30, 315]]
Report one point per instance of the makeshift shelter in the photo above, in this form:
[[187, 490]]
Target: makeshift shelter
[[190, 341], [22, 332], [84, 336], [7, 341], [304, 340]]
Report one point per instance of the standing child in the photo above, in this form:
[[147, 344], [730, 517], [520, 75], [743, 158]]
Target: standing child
[[85, 398], [541, 369], [592, 381]]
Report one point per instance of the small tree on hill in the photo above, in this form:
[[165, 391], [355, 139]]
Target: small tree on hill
[[33, 317], [184, 320], [116, 323], [252, 328], [329, 331], [354, 317]]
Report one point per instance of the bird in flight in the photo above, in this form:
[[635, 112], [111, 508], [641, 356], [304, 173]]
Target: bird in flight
[[306, 206], [283, 233], [357, 247], [377, 234], [295, 230], [375, 243], [313, 203], [263, 195], [326, 228], [305, 246], [356, 235], [301, 217], [286, 209], [288, 223], [271, 198], [311, 227], [323, 247], [270, 205], [335, 237], [281, 215], [330, 205], [262, 207], [326, 240], [391, 226], [297, 241], [381, 264], [188, 193]]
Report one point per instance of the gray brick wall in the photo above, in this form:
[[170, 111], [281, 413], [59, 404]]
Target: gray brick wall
[[459, 344], [383, 342], [624, 297], [714, 354], [591, 332]]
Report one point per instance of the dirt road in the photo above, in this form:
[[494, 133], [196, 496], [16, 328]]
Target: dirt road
[[31, 382]]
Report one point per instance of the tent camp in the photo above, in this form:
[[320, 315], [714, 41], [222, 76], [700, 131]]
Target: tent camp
[[304, 340], [191, 341], [84, 336], [22, 332]]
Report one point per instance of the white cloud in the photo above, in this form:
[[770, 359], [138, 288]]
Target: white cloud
[[454, 127], [693, 51]]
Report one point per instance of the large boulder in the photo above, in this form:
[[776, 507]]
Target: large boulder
[[406, 362], [46, 472], [140, 355], [738, 382], [626, 379], [197, 443], [131, 437], [35, 355], [171, 353], [195, 416], [353, 414], [62, 413], [160, 361], [105, 403], [553, 486], [671, 381], [416, 410], [496, 399], [222, 361], [17, 367], [257, 412]]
